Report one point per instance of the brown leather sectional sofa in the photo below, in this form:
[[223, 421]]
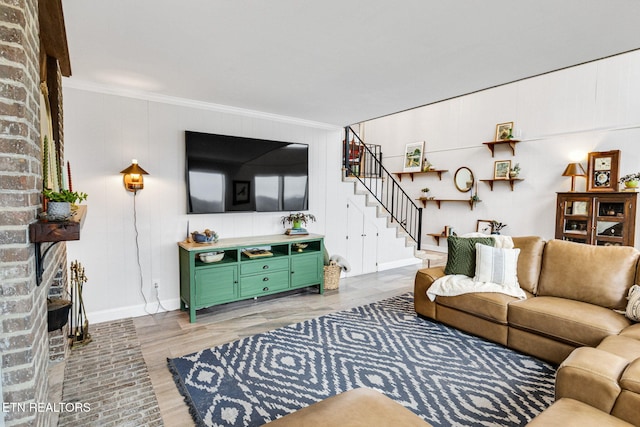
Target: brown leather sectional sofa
[[573, 291]]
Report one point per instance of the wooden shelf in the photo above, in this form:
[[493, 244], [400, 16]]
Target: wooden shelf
[[511, 142], [511, 181], [424, 201], [58, 231], [438, 171], [437, 237], [43, 231]]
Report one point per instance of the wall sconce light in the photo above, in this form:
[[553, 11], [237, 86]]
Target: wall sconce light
[[133, 180], [573, 170]]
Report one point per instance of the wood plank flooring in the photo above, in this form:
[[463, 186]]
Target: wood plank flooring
[[170, 334]]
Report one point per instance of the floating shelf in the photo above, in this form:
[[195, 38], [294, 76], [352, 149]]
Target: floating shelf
[[511, 181], [437, 237], [511, 142], [424, 201], [438, 171]]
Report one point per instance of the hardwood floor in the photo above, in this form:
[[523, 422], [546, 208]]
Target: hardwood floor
[[170, 334]]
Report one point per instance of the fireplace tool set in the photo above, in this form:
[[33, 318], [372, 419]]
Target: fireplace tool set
[[79, 327]]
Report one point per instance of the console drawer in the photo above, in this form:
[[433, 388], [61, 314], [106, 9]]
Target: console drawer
[[263, 265], [263, 284]]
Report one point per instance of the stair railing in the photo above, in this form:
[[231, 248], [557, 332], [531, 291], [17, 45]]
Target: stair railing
[[364, 162]]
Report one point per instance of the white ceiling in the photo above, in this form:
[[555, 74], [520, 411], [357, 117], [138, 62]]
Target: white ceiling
[[337, 62]]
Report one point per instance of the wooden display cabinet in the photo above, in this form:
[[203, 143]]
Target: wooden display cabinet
[[604, 219]]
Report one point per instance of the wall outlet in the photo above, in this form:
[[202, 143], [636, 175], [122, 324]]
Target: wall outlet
[[156, 283]]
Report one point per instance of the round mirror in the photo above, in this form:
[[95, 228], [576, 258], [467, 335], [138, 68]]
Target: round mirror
[[463, 179]]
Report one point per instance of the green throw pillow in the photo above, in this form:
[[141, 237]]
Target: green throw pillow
[[462, 254]]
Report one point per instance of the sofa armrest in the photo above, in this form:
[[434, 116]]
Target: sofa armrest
[[591, 375], [424, 279]]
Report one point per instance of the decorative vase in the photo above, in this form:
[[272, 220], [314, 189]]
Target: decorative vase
[[297, 224], [513, 174], [57, 211], [631, 184]]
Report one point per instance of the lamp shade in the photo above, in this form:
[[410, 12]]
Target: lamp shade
[[133, 180], [574, 169]]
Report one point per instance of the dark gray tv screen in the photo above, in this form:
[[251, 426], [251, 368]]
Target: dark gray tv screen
[[236, 174]]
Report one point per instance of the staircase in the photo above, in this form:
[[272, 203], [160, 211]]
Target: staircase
[[363, 166]]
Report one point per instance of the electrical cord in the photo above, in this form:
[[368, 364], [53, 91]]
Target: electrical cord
[[135, 226]]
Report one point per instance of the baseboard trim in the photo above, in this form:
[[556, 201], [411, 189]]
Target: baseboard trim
[[132, 311]]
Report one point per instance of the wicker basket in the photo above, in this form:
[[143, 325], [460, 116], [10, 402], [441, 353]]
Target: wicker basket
[[332, 276]]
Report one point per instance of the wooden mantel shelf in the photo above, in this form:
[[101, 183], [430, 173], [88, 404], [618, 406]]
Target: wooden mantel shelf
[[58, 231], [411, 174], [492, 144]]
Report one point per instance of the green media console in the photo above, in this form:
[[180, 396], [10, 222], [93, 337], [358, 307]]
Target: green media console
[[290, 262]]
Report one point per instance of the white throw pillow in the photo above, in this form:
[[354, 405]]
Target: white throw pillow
[[497, 265], [633, 305]]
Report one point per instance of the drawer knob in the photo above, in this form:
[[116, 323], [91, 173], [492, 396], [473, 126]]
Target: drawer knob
[[265, 267], [265, 279], [265, 289]]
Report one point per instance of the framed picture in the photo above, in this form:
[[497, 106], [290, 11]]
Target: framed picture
[[503, 130], [484, 226], [579, 208], [501, 169], [241, 192], [413, 154], [602, 173]]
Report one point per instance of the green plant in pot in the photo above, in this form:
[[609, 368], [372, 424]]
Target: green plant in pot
[[631, 180], [59, 202], [297, 219]]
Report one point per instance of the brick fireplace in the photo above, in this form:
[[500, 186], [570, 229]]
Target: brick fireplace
[[28, 44]]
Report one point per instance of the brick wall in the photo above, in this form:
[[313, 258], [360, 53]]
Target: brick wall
[[24, 340]]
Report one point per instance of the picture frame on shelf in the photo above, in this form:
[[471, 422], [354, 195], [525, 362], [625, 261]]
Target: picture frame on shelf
[[484, 226], [602, 170], [501, 169], [579, 208], [503, 131], [413, 155]]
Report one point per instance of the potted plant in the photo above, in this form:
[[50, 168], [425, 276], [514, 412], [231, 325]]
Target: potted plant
[[59, 202], [631, 180], [496, 227], [297, 219], [515, 171], [425, 191]]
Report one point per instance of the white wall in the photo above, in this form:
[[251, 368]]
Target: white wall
[[594, 107], [104, 131]]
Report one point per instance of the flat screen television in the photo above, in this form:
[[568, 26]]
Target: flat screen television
[[235, 174]]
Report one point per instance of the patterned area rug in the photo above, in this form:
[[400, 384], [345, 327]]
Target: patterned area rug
[[447, 377]]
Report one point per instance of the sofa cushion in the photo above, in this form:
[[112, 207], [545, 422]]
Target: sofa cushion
[[632, 331], [496, 265], [622, 346], [570, 412], [630, 379], [599, 275], [573, 322], [461, 257], [529, 261], [487, 305]]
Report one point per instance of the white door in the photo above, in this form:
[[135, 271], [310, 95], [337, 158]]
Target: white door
[[362, 241]]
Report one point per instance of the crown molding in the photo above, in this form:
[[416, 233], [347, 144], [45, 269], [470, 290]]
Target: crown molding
[[191, 103]]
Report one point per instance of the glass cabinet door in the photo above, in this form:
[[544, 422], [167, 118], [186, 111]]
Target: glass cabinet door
[[576, 225], [610, 222]]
